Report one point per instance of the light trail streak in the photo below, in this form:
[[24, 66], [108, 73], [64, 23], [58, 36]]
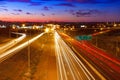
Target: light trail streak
[[102, 59], [61, 66], [101, 32], [12, 43], [12, 51], [77, 60], [106, 65], [102, 78], [101, 53], [69, 66]]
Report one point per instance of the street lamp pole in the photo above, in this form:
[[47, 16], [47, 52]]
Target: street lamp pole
[[9, 33], [117, 48], [29, 66], [28, 73], [96, 41]]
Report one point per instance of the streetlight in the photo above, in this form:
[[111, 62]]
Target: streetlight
[[117, 48], [23, 25], [29, 66], [47, 30], [29, 60], [9, 33], [96, 41], [28, 73]]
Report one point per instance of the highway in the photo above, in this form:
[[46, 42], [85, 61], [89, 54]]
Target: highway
[[42, 60], [12, 51], [10, 44], [69, 66], [57, 56], [106, 64]]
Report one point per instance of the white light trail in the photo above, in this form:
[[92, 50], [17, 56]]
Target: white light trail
[[69, 66], [12, 43], [12, 51]]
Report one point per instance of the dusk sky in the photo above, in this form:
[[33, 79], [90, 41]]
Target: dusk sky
[[60, 10]]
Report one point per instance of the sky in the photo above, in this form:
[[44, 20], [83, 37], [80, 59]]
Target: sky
[[60, 10]]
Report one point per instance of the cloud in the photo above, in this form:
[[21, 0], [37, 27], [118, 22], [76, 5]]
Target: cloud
[[81, 14], [53, 13], [2, 3], [70, 11], [65, 4], [43, 14], [46, 8], [104, 1], [28, 13], [15, 13], [18, 10], [91, 1], [68, 1], [35, 3], [3, 6], [19, 0], [5, 9], [84, 13]]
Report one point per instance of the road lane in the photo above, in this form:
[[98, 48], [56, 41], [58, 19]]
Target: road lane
[[46, 68], [106, 64], [69, 66], [12, 43], [12, 51], [43, 62]]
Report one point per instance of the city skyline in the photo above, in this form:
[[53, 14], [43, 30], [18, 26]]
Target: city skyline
[[63, 10]]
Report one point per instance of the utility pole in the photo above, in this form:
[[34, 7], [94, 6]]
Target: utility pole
[[117, 48], [17, 32], [96, 41], [27, 75], [9, 33], [29, 60], [29, 66]]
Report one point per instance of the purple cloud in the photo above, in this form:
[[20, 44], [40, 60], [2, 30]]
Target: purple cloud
[[103, 1], [93, 1], [70, 11], [5, 9], [2, 3], [46, 8], [18, 10], [53, 13], [84, 13], [3, 6], [19, 0], [43, 14], [28, 13], [35, 3], [65, 4], [70, 1], [15, 13]]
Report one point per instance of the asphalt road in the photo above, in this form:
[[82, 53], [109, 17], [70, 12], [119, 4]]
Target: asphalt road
[[50, 58], [42, 62], [69, 66], [108, 66], [13, 42]]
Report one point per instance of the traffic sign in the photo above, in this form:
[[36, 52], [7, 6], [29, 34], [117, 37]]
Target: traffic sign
[[84, 37]]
